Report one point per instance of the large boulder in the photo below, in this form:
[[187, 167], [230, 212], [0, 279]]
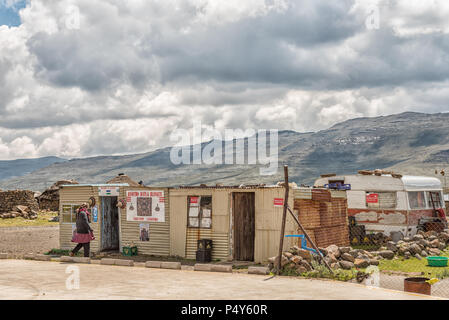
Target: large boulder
[[274, 261], [306, 265], [296, 259], [414, 249], [402, 250], [294, 250], [434, 252], [354, 253], [345, 249], [346, 265], [288, 254], [392, 246], [418, 237], [434, 243], [361, 263], [387, 254], [374, 262], [443, 237], [347, 257], [301, 269], [424, 243], [333, 249], [330, 259]]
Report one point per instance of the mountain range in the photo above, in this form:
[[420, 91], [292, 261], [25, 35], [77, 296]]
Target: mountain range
[[409, 143]]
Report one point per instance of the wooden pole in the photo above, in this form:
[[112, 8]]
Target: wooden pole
[[284, 216]]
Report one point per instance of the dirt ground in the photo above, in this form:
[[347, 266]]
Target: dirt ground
[[19, 241], [24, 279]]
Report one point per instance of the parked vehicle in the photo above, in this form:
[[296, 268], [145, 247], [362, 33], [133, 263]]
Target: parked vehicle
[[391, 203]]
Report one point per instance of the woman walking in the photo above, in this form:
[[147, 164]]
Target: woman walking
[[84, 233]]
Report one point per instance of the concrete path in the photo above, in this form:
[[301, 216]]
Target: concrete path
[[23, 279]]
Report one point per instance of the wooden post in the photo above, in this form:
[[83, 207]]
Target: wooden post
[[284, 216]]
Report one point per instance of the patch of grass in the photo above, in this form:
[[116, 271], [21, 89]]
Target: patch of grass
[[321, 271], [415, 265], [41, 221]]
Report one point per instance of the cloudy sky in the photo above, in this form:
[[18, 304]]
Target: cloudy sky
[[82, 78]]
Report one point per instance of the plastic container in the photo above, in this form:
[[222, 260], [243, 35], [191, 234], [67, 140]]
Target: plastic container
[[417, 285], [435, 261]]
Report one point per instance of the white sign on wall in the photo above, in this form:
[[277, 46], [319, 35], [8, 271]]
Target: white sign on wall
[[108, 191], [145, 205]]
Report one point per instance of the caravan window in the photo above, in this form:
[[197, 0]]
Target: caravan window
[[416, 200], [199, 211], [381, 200], [436, 195]]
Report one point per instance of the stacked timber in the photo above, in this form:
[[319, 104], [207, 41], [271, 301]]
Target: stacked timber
[[323, 214]]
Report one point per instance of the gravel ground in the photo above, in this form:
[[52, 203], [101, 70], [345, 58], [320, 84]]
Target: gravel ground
[[19, 241]]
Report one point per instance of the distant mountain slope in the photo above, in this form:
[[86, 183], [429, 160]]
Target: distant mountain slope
[[413, 143], [16, 168]]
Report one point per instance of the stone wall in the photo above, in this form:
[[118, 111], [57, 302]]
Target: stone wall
[[51, 205], [10, 199]]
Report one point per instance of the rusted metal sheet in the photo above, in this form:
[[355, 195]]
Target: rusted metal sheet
[[379, 216]]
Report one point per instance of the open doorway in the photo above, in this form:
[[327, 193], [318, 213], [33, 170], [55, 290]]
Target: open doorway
[[109, 224], [243, 209]]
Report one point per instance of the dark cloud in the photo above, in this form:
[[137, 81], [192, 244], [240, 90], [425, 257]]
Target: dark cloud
[[136, 70]]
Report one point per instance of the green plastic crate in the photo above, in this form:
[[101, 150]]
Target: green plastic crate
[[435, 261], [129, 251]]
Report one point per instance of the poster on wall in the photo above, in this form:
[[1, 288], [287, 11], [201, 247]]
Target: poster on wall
[[278, 202], [145, 205], [144, 232], [372, 198], [95, 214]]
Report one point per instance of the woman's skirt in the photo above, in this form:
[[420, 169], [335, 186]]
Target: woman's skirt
[[81, 237]]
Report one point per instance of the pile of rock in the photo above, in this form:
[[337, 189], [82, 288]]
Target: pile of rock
[[348, 258], [296, 258], [421, 245], [20, 211]]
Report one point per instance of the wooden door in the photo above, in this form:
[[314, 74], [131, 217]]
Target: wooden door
[[244, 225], [109, 224]]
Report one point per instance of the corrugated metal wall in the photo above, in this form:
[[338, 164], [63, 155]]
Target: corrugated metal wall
[[75, 196], [159, 243], [267, 222], [184, 239]]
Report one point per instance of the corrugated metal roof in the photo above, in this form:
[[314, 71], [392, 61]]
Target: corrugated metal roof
[[229, 187], [96, 185]]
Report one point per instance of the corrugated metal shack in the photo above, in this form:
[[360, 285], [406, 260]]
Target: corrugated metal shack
[[141, 218], [243, 221]]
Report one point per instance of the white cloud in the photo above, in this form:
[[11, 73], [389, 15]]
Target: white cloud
[[136, 70]]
